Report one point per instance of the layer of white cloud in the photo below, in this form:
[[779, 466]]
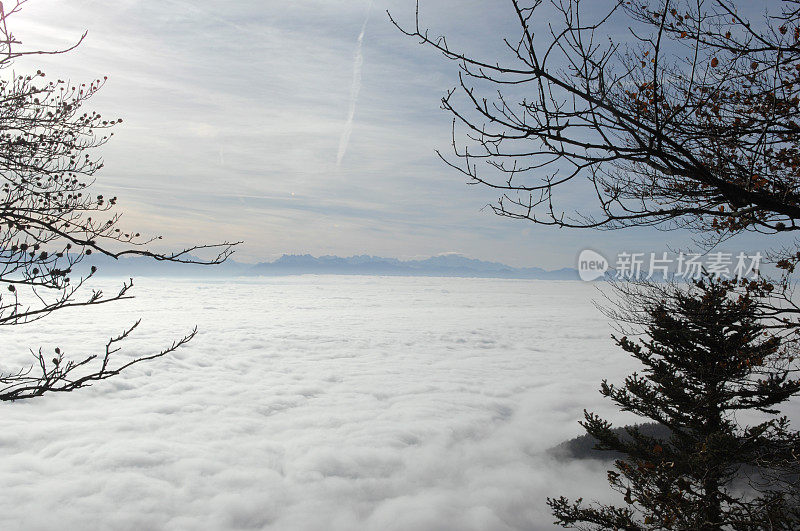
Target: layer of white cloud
[[310, 403]]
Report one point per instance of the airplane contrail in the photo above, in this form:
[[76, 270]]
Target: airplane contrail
[[344, 140]]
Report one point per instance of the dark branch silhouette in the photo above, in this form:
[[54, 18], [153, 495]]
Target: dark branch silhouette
[[63, 375], [694, 124], [50, 219]]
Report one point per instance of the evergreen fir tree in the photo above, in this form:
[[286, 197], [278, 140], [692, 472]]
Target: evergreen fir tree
[[709, 356]]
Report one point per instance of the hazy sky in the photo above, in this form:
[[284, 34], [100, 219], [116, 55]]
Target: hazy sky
[[300, 127]]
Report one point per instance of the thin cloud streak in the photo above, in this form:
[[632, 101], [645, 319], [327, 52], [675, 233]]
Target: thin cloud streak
[[344, 140]]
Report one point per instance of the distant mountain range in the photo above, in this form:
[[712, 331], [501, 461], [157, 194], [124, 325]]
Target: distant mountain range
[[449, 265]]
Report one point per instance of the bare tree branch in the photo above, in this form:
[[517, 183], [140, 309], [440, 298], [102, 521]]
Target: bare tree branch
[[51, 220]]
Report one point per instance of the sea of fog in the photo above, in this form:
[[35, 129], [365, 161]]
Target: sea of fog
[[315, 403]]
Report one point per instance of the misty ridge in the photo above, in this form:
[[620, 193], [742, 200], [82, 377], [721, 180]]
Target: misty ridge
[[443, 265], [446, 265], [335, 402]]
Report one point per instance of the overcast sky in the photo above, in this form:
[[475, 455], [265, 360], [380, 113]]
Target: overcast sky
[[300, 127]]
